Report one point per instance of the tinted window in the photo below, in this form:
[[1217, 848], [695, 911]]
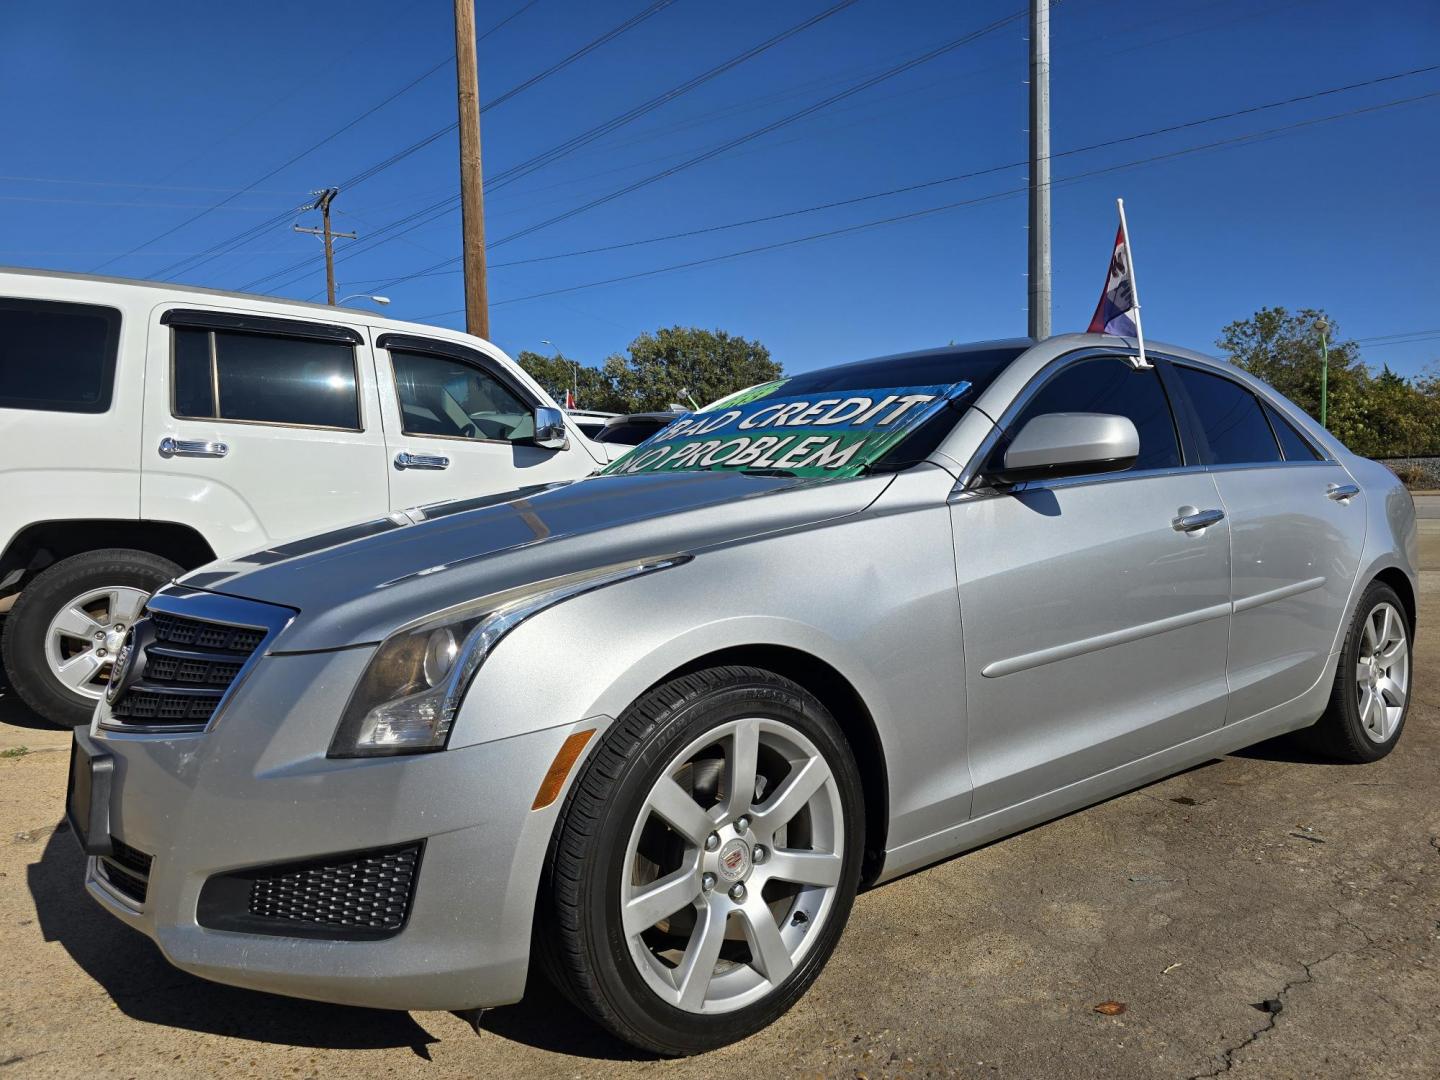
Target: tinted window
[[258, 377], [1114, 385], [57, 357], [440, 396], [1295, 446], [631, 432], [1230, 418], [978, 367]]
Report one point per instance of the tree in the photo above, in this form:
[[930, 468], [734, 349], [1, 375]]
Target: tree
[[1381, 415], [671, 365]]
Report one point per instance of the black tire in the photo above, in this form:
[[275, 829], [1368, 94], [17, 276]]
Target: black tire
[[1340, 732], [584, 950], [23, 648]]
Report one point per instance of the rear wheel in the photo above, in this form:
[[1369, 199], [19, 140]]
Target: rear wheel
[[1372, 686], [705, 861], [63, 632]]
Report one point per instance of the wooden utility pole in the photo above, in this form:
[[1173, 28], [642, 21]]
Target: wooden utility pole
[[472, 185], [322, 203]]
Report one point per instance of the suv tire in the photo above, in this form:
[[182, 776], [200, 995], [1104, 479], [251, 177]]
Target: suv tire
[[31, 657]]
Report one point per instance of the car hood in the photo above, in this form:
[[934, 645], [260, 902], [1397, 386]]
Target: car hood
[[356, 585]]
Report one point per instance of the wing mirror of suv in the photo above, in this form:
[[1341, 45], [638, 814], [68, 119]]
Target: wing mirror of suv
[[550, 431], [1069, 444]]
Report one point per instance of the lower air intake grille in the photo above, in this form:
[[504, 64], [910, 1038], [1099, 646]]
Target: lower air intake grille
[[360, 895], [127, 869]]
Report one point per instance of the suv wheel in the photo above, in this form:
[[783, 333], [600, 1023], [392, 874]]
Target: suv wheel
[[705, 861], [63, 632]]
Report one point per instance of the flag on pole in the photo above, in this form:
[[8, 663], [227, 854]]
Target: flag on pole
[[1118, 312], [569, 398]]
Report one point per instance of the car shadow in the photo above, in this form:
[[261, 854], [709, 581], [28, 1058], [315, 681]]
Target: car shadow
[[144, 986]]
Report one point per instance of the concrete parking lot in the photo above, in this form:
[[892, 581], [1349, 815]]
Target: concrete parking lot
[[1266, 914]]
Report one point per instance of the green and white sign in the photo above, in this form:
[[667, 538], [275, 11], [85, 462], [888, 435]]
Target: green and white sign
[[831, 434]]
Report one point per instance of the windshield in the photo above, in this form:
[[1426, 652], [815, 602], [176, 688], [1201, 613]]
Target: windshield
[[834, 422]]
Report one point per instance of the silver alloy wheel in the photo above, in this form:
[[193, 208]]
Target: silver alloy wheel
[[82, 640], [1383, 674], [733, 866]]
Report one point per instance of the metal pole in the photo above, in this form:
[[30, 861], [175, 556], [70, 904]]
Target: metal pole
[[1324, 376], [1039, 263], [472, 191]]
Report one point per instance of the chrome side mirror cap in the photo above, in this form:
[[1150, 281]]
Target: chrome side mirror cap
[[550, 433], [1070, 444]]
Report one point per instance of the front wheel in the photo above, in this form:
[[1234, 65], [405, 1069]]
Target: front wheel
[[62, 635], [705, 861]]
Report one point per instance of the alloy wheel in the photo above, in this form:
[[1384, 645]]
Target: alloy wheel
[[733, 866], [83, 638], [1382, 675]]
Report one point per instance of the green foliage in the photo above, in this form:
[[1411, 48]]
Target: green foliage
[[671, 365], [1384, 415]]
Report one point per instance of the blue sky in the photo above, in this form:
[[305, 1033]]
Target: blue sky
[[123, 121]]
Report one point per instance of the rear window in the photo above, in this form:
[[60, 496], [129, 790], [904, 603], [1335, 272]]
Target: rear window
[[57, 357], [630, 432], [1294, 445], [265, 379], [1230, 418]]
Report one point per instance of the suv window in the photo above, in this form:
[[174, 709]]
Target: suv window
[[450, 398], [57, 357], [1235, 428], [1112, 384], [261, 378], [1295, 446]]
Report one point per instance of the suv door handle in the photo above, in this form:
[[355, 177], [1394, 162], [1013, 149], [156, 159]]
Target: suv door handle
[[406, 460], [1192, 520], [171, 447], [1341, 492]]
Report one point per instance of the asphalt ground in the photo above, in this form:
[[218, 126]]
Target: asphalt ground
[[1265, 914]]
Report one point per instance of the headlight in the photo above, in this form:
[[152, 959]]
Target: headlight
[[407, 699]]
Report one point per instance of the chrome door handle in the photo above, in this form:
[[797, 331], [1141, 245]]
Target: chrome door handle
[[406, 460], [1341, 492], [171, 447], [1194, 520]]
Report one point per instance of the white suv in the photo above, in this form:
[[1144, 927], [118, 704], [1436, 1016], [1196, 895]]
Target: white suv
[[146, 429]]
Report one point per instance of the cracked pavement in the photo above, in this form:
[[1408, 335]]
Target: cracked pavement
[[1263, 915]]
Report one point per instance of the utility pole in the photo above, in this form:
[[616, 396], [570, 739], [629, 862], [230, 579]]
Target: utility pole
[[472, 186], [1039, 263], [322, 203]]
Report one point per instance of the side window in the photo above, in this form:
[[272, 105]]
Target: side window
[[225, 375], [1111, 384], [441, 396], [57, 357], [1229, 414], [1294, 445]]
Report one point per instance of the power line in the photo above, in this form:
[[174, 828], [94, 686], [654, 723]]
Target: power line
[[928, 211], [923, 185], [546, 157], [740, 140]]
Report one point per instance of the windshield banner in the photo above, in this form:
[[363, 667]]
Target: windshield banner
[[832, 435]]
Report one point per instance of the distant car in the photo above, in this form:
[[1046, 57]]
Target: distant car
[[589, 421], [634, 428], [928, 601]]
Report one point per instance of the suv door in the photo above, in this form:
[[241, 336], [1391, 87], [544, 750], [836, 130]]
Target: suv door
[[459, 425], [1094, 624], [258, 429], [1297, 526]]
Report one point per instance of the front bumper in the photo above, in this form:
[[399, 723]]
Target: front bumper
[[256, 789]]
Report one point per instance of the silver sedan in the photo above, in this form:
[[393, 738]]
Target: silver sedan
[[650, 731]]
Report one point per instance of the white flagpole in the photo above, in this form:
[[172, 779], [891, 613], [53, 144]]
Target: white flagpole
[[1134, 283]]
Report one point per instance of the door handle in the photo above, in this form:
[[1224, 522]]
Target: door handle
[[1342, 492], [1192, 520], [172, 447], [406, 460]]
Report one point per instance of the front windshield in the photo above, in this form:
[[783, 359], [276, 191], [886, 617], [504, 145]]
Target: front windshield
[[832, 423]]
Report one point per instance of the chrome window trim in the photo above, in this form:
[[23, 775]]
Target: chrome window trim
[[187, 603]]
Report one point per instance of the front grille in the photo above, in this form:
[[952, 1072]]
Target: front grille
[[127, 869], [187, 666], [364, 895]]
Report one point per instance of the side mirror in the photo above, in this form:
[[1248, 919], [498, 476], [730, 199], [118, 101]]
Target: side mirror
[[1070, 444], [550, 433]]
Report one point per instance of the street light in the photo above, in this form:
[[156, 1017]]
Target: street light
[[574, 373], [1323, 325], [363, 296]]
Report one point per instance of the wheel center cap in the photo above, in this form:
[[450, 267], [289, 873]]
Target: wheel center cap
[[734, 860]]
